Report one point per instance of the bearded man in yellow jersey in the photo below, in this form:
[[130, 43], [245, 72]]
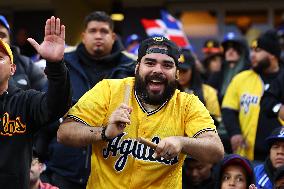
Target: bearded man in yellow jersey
[[247, 126], [176, 121]]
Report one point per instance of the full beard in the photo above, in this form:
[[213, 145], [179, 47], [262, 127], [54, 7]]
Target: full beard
[[154, 99], [262, 65]]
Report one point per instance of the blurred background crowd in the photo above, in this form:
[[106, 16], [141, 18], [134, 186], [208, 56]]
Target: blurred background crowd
[[232, 59]]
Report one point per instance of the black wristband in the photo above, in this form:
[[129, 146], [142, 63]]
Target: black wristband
[[103, 135]]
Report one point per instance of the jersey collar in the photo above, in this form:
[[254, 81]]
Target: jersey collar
[[144, 110]]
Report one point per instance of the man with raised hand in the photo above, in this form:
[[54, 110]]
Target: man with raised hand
[[23, 112]]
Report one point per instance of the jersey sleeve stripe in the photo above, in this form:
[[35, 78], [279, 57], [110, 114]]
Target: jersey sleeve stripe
[[77, 119], [203, 131], [229, 107]]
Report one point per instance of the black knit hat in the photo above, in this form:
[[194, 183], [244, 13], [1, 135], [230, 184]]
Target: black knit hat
[[269, 42], [172, 49]]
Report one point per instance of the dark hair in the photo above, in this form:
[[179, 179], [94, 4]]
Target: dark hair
[[195, 84], [99, 16]]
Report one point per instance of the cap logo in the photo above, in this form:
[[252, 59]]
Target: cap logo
[[181, 59], [281, 133], [254, 44], [159, 39], [210, 44]]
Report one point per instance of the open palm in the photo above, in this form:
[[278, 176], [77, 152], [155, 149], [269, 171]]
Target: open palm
[[52, 48]]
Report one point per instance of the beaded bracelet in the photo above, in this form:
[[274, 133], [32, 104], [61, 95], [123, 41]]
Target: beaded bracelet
[[103, 135]]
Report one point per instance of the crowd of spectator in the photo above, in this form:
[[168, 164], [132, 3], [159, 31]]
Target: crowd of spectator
[[241, 84]]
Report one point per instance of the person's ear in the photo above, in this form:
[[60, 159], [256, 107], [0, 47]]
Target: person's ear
[[272, 58], [113, 36], [13, 69], [42, 167], [83, 37]]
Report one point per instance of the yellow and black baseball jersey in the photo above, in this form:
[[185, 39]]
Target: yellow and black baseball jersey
[[211, 101], [125, 163], [244, 94]]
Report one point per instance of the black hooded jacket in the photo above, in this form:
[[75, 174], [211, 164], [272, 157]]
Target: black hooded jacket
[[86, 71], [22, 113], [220, 80]]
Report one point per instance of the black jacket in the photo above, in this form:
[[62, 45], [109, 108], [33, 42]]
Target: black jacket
[[74, 163], [22, 113], [27, 75], [273, 96]]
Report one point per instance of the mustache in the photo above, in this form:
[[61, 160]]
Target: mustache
[[155, 76], [145, 96]]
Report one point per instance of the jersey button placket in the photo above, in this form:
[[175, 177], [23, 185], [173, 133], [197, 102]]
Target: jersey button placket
[[142, 128]]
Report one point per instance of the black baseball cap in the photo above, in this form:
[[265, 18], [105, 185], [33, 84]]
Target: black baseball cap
[[232, 40], [186, 60], [276, 135], [172, 49], [268, 41]]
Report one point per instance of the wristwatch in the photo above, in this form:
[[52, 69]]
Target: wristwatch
[[276, 108]]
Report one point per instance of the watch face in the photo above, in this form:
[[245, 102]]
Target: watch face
[[276, 108]]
